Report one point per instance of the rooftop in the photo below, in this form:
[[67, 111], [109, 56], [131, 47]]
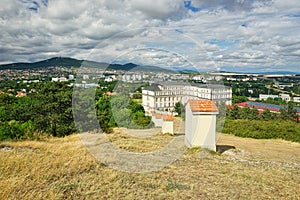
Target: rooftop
[[271, 107], [168, 118], [203, 106], [154, 86]]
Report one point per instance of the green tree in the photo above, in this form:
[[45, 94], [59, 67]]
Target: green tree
[[239, 99], [234, 113], [179, 108], [52, 109], [104, 114], [266, 115]]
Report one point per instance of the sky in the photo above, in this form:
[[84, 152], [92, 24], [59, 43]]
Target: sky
[[208, 35]]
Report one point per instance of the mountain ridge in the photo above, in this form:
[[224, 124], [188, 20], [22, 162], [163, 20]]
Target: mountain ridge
[[76, 63]]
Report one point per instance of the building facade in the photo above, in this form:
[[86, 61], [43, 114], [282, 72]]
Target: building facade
[[163, 96]]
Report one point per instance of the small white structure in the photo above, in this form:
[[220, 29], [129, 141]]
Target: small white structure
[[63, 79], [266, 96], [296, 99], [157, 120], [54, 79], [71, 77], [168, 122], [200, 125], [285, 97], [85, 77]]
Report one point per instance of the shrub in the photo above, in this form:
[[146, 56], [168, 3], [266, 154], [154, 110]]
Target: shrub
[[287, 130]]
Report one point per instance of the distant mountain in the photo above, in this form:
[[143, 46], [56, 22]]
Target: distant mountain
[[260, 72], [71, 62], [56, 61], [67, 62], [280, 72], [125, 67]]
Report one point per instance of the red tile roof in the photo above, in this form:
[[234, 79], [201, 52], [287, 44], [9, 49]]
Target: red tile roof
[[203, 106], [168, 118], [162, 116], [157, 116], [21, 94]]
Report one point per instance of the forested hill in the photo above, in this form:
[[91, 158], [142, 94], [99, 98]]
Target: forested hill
[[66, 62]]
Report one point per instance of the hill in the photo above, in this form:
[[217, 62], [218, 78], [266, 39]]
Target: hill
[[71, 62], [56, 61], [61, 168]]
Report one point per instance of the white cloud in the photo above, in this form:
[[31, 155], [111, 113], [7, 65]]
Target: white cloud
[[248, 33], [161, 9]]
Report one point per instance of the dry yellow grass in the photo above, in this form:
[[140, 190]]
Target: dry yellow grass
[[63, 169]]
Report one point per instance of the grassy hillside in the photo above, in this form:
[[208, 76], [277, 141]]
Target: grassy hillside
[[62, 169]]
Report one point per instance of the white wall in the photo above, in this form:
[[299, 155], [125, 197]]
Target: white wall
[[296, 99], [167, 127], [158, 122], [148, 100], [200, 130]]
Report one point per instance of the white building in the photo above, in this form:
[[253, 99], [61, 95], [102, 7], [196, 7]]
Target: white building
[[163, 96], [266, 96], [85, 77], [285, 97], [296, 99], [71, 77], [55, 79], [282, 86], [200, 124]]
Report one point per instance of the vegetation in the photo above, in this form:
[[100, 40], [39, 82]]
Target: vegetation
[[16, 86], [239, 99], [250, 88], [47, 111], [179, 108], [258, 129], [247, 122], [128, 113]]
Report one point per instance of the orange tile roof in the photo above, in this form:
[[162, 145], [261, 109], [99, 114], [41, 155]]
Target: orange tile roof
[[203, 106], [20, 94], [157, 116], [168, 118]]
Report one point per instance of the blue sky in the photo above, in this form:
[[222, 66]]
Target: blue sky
[[236, 35]]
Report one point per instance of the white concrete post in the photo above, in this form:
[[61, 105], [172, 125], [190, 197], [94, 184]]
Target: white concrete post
[[157, 120], [200, 124], [168, 122]]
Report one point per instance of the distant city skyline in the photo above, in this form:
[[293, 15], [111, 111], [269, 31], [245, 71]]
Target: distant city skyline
[[207, 35]]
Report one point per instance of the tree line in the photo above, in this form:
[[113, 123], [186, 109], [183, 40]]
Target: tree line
[[49, 111], [248, 122], [288, 113]]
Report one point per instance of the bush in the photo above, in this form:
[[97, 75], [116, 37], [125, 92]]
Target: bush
[[14, 130], [286, 130]]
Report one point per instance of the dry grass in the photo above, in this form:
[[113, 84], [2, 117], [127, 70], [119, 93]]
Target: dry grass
[[62, 169]]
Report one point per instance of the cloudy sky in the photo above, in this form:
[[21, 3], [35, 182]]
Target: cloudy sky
[[238, 35]]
